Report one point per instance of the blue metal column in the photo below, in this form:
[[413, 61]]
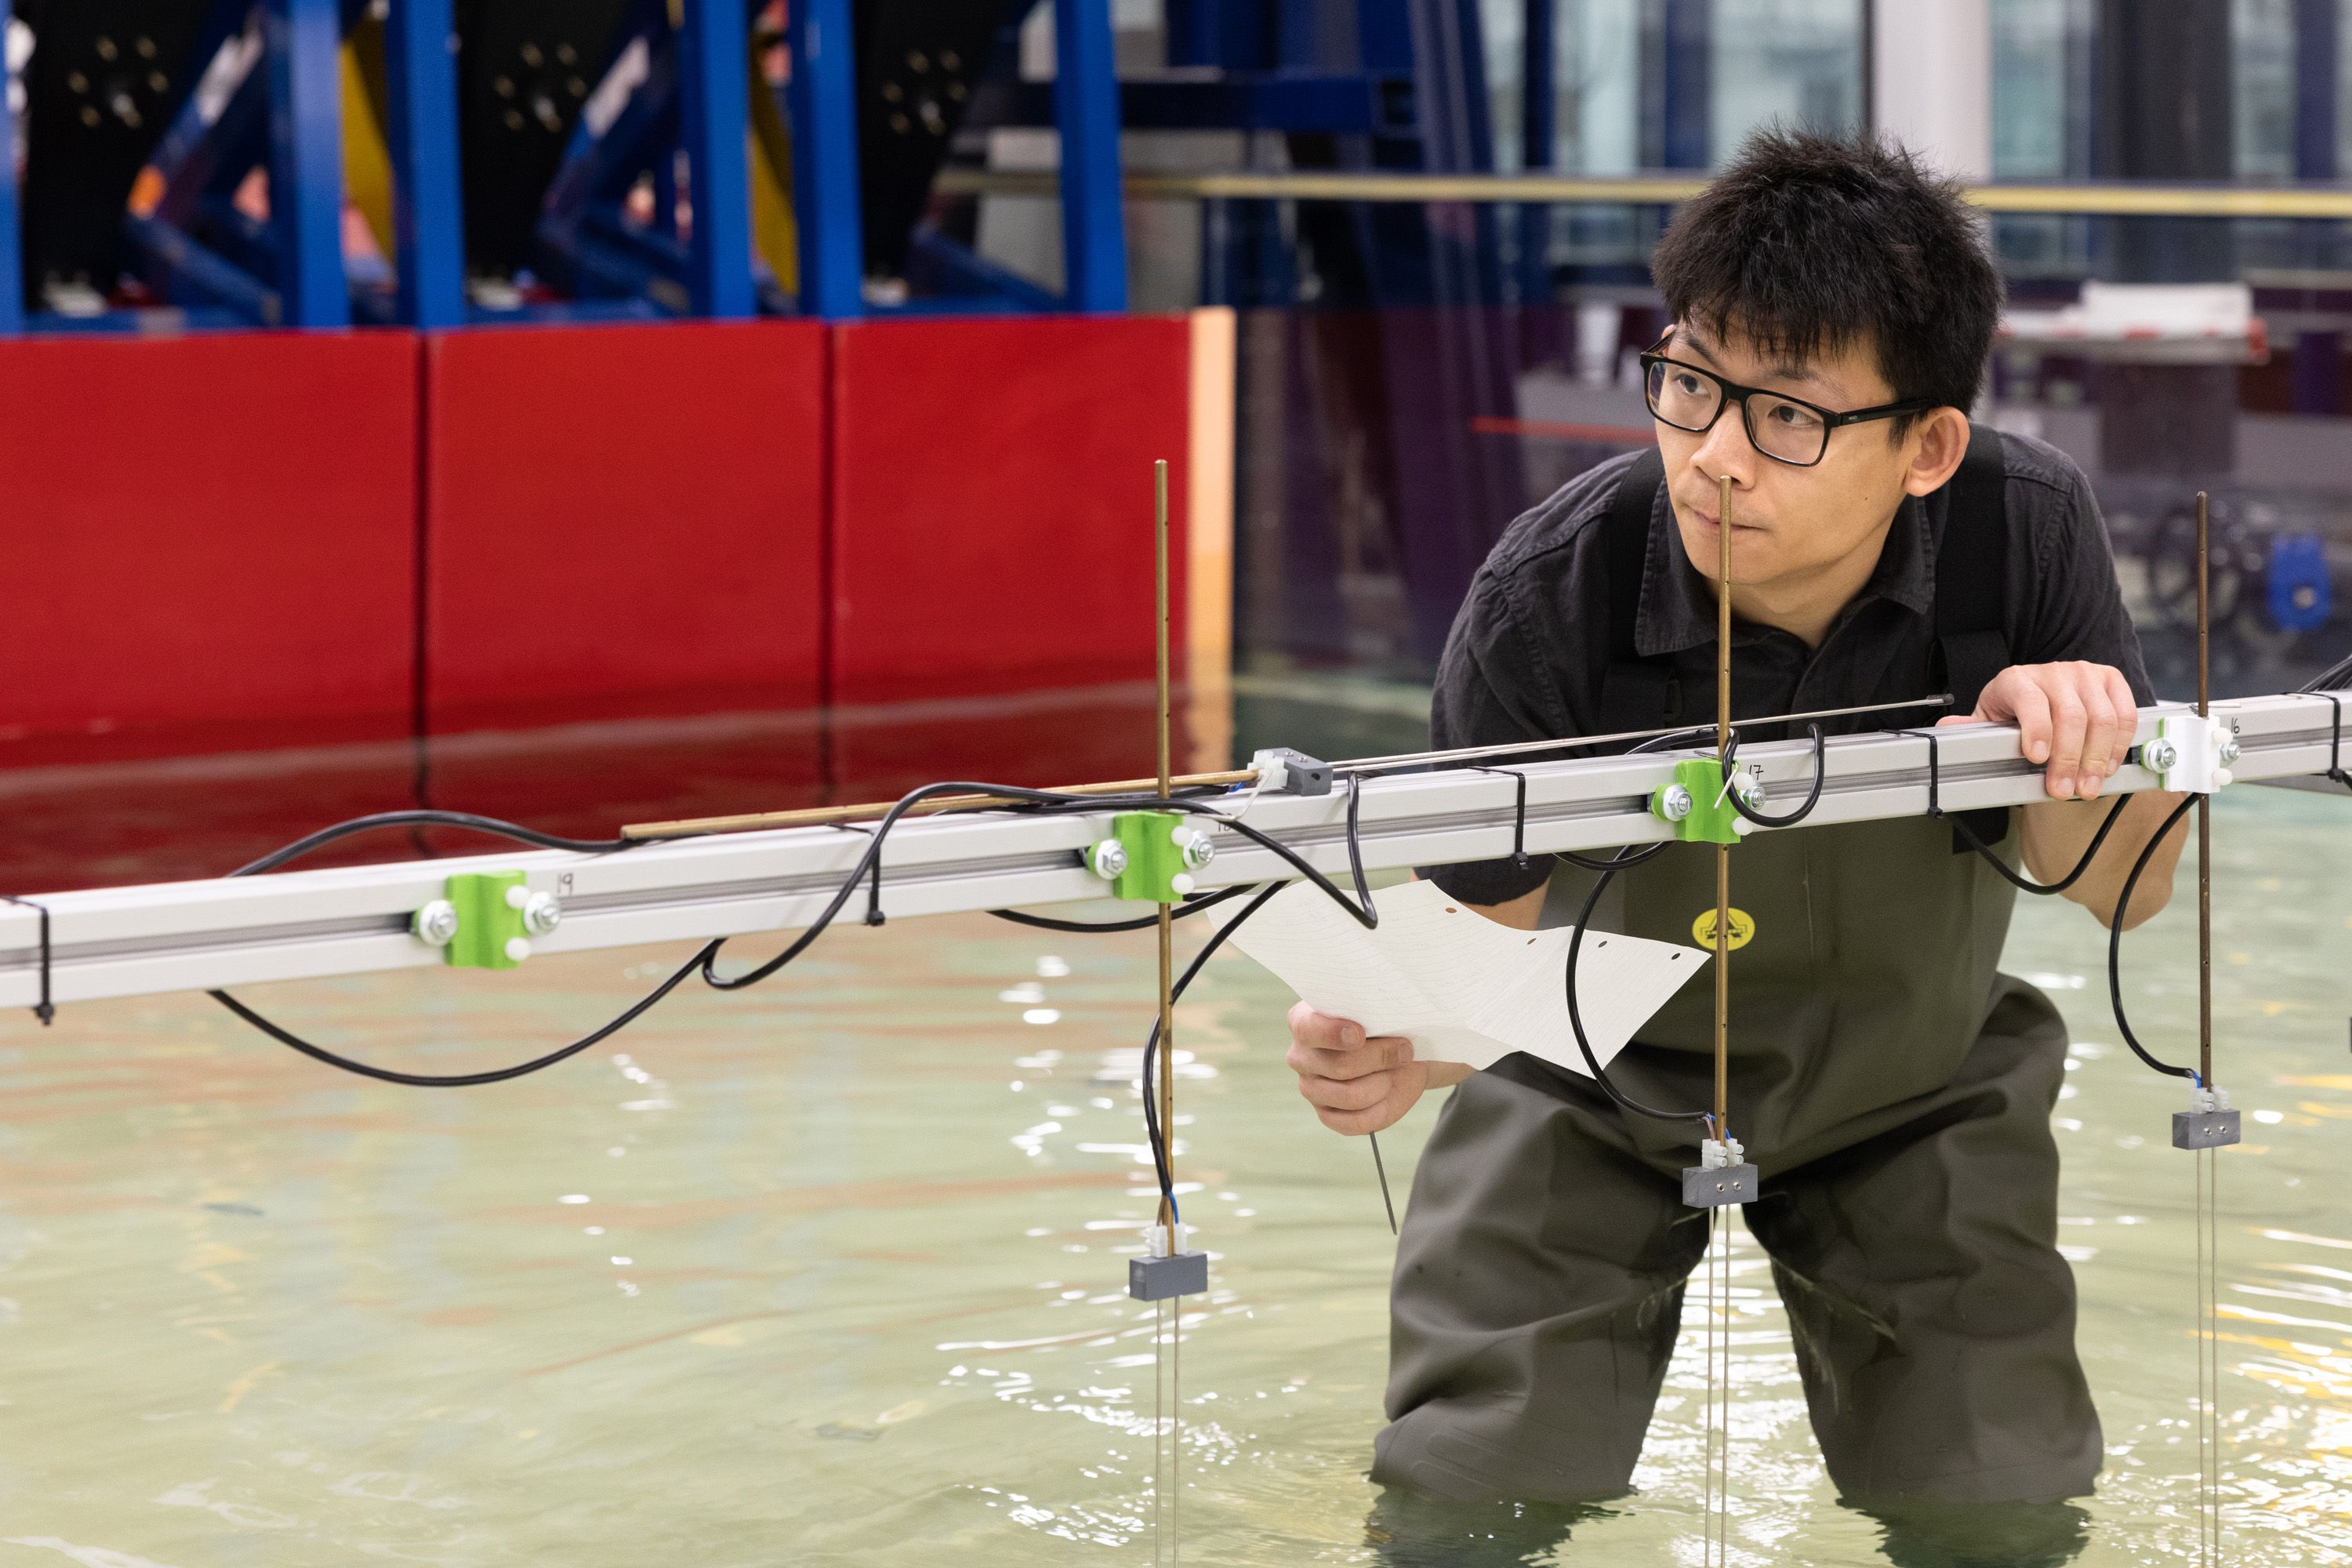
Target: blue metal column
[[717, 72], [1685, 97], [306, 162], [2316, 35], [12, 248], [823, 103], [428, 219], [1085, 108]]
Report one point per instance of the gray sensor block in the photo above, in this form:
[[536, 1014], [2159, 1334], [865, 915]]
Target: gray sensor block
[[1712, 1189], [2204, 1128], [1160, 1278]]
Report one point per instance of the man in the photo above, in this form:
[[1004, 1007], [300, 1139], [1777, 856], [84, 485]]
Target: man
[[1833, 306]]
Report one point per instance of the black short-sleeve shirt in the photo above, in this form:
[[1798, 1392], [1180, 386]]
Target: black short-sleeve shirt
[[1531, 642]]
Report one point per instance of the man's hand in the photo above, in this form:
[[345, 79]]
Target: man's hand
[[1357, 1085], [2077, 718]]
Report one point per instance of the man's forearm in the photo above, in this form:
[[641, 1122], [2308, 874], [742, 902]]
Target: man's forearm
[[2055, 833]]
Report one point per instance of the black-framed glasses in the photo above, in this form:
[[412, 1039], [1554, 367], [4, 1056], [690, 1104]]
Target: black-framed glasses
[[1785, 429]]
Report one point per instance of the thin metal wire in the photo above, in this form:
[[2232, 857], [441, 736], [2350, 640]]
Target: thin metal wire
[[1158, 1437], [1466, 753], [2208, 1237], [1382, 1171], [1176, 1429], [1719, 1376], [2214, 1332]]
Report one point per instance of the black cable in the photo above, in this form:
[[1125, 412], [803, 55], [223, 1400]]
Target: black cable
[[1960, 825], [1625, 862], [2336, 675], [1362, 910], [2115, 944], [1143, 922], [1576, 1018], [466, 820], [1151, 1127], [466, 1081], [1812, 799], [1367, 916]]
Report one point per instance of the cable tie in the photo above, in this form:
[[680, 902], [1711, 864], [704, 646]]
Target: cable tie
[[874, 915], [45, 1010], [1518, 816], [2336, 740]]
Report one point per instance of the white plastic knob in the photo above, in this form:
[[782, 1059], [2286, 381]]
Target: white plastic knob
[[518, 948], [1182, 883], [2221, 777], [1740, 824], [518, 896]]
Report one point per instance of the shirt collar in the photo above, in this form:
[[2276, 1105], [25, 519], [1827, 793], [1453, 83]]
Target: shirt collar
[[1677, 607]]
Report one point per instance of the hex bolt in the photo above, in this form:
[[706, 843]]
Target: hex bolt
[[2159, 756], [541, 914], [1197, 848], [2226, 752], [1751, 793], [435, 925], [1107, 860], [1674, 802]]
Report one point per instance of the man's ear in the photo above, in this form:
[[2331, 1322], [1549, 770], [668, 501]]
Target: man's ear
[[1938, 441]]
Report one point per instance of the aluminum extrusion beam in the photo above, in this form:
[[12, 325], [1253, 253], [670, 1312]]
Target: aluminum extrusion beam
[[121, 941]]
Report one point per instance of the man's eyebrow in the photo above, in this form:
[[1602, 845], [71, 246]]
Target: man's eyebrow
[[1788, 369]]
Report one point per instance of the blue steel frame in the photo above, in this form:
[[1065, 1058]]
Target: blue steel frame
[[1086, 110], [824, 105], [428, 216], [716, 69], [306, 161]]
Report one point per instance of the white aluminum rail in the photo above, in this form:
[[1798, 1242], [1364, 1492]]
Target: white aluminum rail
[[287, 925]]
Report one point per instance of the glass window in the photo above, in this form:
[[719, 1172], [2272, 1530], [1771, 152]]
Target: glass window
[[1796, 62]]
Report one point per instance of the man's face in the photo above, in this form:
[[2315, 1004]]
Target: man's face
[[1791, 527]]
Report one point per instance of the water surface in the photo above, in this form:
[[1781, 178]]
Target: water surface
[[832, 1271]]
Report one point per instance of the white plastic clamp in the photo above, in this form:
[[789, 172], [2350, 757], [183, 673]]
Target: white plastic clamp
[[2191, 753]]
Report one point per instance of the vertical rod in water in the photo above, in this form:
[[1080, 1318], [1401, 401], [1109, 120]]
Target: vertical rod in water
[[2204, 807], [1168, 1017], [2208, 1371], [1718, 1363], [1723, 851]]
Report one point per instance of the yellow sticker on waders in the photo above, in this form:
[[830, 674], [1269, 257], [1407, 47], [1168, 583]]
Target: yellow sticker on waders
[[1743, 927]]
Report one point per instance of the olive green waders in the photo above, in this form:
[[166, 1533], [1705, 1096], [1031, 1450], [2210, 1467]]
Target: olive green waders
[[1896, 1092]]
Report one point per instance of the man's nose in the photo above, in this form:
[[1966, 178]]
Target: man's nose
[[1728, 451]]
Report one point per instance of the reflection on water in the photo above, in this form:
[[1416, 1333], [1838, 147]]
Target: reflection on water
[[832, 1271]]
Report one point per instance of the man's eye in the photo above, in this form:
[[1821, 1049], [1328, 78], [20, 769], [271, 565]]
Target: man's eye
[[1793, 418], [1689, 385]]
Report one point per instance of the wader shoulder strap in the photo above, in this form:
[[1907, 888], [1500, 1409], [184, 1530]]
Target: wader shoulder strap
[[1971, 585], [1636, 693]]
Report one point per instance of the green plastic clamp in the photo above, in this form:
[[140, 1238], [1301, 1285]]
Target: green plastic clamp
[[1712, 818], [487, 922], [1154, 858]]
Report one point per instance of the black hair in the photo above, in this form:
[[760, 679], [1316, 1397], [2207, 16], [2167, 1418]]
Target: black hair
[[1807, 240]]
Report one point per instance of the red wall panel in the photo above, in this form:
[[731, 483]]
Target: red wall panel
[[623, 520], [993, 501], [208, 542]]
